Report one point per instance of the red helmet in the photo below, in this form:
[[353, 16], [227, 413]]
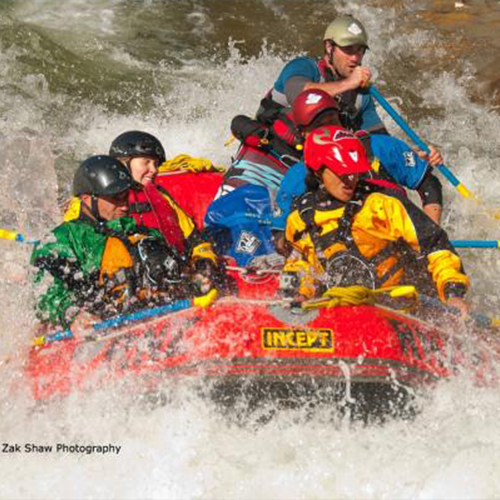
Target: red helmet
[[336, 149], [309, 104]]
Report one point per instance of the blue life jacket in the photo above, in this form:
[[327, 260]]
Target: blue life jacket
[[240, 223]]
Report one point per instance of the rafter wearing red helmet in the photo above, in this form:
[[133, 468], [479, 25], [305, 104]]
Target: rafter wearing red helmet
[[343, 225], [394, 163]]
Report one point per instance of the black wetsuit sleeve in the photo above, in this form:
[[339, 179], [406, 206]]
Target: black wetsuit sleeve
[[430, 190], [431, 237], [242, 126]]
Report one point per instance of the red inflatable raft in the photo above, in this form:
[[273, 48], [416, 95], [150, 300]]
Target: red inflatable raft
[[254, 339]]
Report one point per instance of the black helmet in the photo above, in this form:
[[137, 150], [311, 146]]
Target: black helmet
[[137, 143], [101, 175]]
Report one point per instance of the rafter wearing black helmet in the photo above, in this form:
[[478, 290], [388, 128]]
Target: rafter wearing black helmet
[[99, 181]]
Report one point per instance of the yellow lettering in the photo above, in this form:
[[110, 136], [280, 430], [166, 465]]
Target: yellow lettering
[[324, 339], [297, 339], [302, 340], [268, 339], [312, 339], [279, 339]]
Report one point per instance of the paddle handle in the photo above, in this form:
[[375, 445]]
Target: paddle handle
[[5, 234]]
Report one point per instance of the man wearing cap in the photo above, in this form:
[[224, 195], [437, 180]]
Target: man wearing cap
[[339, 73]]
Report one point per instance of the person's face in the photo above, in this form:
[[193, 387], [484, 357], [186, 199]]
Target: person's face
[[113, 207], [340, 187], [143, 169], [345, 59]]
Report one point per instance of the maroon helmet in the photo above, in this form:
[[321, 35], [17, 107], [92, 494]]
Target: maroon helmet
[[309, 104]]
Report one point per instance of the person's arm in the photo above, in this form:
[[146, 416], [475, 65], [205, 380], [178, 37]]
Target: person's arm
[[58, 260], [410, 170], [72, 257], [302, 265], [430, 191], [295, 76], [357, 79], [197, 246], [292, 186], [404, 220]]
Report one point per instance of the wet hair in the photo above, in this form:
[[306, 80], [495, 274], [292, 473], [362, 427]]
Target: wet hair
[[312, 180]]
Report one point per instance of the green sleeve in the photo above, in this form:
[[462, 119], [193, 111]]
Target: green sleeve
[[75, 245]]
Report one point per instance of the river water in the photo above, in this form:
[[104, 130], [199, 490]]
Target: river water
[[75, 74]]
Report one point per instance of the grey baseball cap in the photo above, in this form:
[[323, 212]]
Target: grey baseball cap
[[346, 30]]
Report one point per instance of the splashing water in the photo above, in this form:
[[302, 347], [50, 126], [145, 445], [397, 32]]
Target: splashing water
[[75, 74]]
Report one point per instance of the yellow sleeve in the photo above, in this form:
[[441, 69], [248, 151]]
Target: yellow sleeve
[[300, 242], [389, 218], [306, 266], [445, 267], [204, 250], [386, 218], [201, 249]]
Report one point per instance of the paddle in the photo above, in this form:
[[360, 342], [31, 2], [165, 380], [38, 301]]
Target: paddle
[[5, 234], [476, 244], [416, 139], [180, 305], [481, 320]]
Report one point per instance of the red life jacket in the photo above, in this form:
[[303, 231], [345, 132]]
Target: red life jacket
[[149, 208], [386, 184]]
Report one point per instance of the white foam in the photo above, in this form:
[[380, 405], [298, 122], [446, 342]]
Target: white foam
[[185, 449]]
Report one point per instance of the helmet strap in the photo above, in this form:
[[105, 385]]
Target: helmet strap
[[94, 209], [329, 49]]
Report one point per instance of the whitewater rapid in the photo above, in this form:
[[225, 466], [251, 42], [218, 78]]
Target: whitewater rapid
[[73, 75]]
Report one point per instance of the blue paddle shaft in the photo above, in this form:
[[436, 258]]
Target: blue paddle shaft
[[124, 319], [475, 244], [409, 132]]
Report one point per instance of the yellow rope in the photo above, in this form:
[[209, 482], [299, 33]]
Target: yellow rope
[[357, 295], [190, 164]]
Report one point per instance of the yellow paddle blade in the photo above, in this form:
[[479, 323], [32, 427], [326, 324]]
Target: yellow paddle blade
[[465, 192], [404, 291], [39, 341], [8, 235]]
